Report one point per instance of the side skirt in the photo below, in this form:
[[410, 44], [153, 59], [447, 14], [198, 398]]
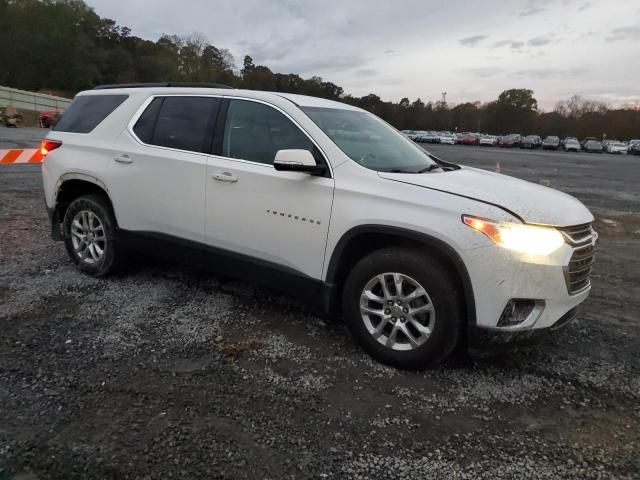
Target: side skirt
[[224, 262]]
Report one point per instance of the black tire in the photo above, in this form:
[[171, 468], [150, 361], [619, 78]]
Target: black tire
[[442, 288], [113, 256]]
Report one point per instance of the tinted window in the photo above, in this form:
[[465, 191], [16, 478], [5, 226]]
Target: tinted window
[[86, 112], [185, 123], [146, 123], [254, 131]]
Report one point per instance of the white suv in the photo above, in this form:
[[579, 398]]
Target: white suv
[[321, 199]]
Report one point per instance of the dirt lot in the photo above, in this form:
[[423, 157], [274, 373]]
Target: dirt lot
[[164, 372], [24, 137]]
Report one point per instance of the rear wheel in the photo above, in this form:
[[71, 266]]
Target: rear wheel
[[403, 307], [90, 235]]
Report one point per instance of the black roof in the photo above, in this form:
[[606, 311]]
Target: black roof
[[162, 84]]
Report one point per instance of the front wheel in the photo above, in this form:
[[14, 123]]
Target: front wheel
[[90, 235], [404, 307]]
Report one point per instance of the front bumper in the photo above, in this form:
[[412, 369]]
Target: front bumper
[[499, 276], [479, 337]]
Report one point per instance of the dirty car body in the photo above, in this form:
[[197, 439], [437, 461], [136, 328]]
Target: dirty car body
[[340, 208]]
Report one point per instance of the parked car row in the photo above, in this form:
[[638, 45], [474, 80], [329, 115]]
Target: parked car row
[[11, 118], [431, 136], [634, 147], [515, 140]]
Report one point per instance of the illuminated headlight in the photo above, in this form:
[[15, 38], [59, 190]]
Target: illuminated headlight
[[518, 237]]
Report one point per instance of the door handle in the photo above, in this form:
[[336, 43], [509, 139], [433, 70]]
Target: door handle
[[225, 177], [123, 159]]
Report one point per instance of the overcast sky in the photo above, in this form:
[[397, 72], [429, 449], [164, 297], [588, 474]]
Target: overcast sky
[[473, 49]]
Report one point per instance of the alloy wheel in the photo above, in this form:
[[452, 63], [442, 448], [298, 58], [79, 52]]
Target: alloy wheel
[[88, 237], [397, 311]]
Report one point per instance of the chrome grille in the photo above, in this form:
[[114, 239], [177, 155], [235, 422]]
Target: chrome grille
[[577, 273], [579, 234]]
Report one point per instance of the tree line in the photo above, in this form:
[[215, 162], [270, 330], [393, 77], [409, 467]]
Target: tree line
[[64, 46]]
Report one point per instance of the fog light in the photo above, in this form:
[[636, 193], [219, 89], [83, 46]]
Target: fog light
[[520, 312]]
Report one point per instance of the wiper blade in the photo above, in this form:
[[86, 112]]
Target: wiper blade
[[403, 170], [430, 168]]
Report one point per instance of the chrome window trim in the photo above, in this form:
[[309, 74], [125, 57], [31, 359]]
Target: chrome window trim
[[142, 109], [275, 107], [151, 98]]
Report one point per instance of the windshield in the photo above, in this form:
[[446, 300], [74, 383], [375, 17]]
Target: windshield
[[370, 141]]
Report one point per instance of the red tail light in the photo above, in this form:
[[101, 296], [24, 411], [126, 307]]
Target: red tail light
[[48, 146]]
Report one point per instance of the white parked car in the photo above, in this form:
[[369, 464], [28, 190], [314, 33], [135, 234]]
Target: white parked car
[[320, 199], [617, 147], [572, 145], [488, 140], [428, 137], [411, 134], [447, 138]]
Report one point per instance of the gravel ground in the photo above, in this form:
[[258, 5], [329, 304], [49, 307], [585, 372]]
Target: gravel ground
[[23, 137], [166, 372]]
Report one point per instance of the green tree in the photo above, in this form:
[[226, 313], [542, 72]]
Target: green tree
[[247, 66], [518, 99]]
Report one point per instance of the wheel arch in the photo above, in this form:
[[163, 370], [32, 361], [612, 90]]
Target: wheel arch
[[69, 187], [365, 239]]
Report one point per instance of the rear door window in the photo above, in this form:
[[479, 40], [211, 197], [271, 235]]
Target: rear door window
[[184, 123], [87, 112]]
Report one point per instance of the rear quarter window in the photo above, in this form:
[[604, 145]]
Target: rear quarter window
[[87, 112], [180, 122]]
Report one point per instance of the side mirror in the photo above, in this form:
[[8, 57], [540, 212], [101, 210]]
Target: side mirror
[[297, 160]]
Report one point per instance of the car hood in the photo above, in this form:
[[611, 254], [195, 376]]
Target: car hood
[[531, 202]]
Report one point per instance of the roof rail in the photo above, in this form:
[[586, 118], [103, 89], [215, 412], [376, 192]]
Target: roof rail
[[162, 84]]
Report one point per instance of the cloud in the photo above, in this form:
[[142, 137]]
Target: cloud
[[334, 40], [631, 32], [483, 72], [313, 65], [366, 72], [472, 41], [539, 41], [514, 44], [547, 73], [531, 10], [585, 6], [534, 7]]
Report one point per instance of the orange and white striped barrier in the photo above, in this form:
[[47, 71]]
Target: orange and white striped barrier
[[29, 155]]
